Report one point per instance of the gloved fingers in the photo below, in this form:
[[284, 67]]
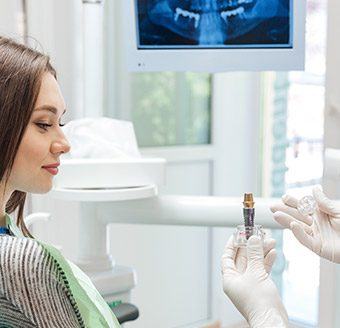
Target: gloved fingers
[[255, 255], [269, 260], [241, 257], [285, 220], [241, 260], [301, 235], [269, 253], [228, 257], [268, 245], [325, 204], [293, 212], [290, 200]]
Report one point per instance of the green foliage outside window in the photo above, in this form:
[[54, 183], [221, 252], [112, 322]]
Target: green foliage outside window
[[171, 108]]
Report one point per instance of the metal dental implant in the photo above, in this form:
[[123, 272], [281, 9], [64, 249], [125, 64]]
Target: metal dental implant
[[248, 210], [249, 228]]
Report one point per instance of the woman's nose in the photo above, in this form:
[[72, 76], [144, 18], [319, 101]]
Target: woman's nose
[[61, 146]]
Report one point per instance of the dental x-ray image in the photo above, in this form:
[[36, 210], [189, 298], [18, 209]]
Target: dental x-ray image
[[201, 24]]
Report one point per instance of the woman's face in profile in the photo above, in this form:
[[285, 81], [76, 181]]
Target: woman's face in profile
[[43, 141]]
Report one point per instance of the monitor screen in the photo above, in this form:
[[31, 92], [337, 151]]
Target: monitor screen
[[214, 35], [216, 24]]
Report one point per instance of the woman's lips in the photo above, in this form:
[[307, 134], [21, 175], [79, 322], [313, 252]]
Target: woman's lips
[[52, 170]]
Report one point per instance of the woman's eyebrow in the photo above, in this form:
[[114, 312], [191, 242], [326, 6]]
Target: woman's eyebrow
[[49, 108]]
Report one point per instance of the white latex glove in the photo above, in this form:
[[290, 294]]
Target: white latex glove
[[247, 283], [319, 232]]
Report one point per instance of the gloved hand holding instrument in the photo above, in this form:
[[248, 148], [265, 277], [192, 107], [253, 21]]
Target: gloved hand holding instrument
[[247, 283], [319, 230]]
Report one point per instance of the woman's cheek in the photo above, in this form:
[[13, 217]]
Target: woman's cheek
[[33, 148]]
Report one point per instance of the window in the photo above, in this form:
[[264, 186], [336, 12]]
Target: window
[[171, 108], [296, 162]]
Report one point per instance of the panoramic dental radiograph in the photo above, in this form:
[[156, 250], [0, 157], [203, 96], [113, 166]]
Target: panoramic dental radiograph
[[214, 23]]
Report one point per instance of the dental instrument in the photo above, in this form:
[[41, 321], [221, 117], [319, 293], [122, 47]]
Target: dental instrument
[[248, 210], [248, 229]]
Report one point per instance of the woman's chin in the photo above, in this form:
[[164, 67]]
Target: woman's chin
[[42, 189], [46, 190]]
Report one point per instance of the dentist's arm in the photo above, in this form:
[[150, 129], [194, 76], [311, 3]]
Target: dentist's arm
[[247, 283]]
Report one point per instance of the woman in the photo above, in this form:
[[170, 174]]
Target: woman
[[38, 287]]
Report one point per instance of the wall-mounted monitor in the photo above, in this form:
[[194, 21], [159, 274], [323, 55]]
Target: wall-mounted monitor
[[215, 35]]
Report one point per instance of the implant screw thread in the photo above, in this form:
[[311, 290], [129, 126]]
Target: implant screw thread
[[248, 214]]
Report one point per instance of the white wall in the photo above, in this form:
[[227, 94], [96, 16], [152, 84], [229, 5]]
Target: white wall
[[57, 26], [9, 17]]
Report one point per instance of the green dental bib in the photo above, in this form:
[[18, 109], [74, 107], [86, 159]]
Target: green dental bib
[[94, 311]]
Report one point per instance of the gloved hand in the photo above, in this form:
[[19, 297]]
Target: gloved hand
[[247, 283], [319, 232]]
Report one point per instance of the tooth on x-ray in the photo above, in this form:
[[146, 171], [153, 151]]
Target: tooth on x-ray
[[185, 13], [229, 13]]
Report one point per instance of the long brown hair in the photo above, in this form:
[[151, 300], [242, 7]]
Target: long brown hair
[[21, 71]]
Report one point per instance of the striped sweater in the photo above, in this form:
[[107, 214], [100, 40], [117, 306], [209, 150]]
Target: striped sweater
[[34, 291]]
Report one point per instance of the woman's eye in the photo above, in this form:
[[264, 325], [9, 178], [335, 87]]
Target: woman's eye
[[61, 124], [44, 125]]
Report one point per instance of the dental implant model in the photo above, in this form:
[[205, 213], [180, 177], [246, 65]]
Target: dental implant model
[[306, 205], [248, 210], [244, 232]]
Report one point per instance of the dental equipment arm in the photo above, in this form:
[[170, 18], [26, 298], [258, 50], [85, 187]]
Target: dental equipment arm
[[320, 232], [247, 283]]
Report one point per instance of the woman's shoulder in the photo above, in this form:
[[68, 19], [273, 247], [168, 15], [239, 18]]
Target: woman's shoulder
[[13, 249], [28, 258], [30, 274], [23, 258]]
